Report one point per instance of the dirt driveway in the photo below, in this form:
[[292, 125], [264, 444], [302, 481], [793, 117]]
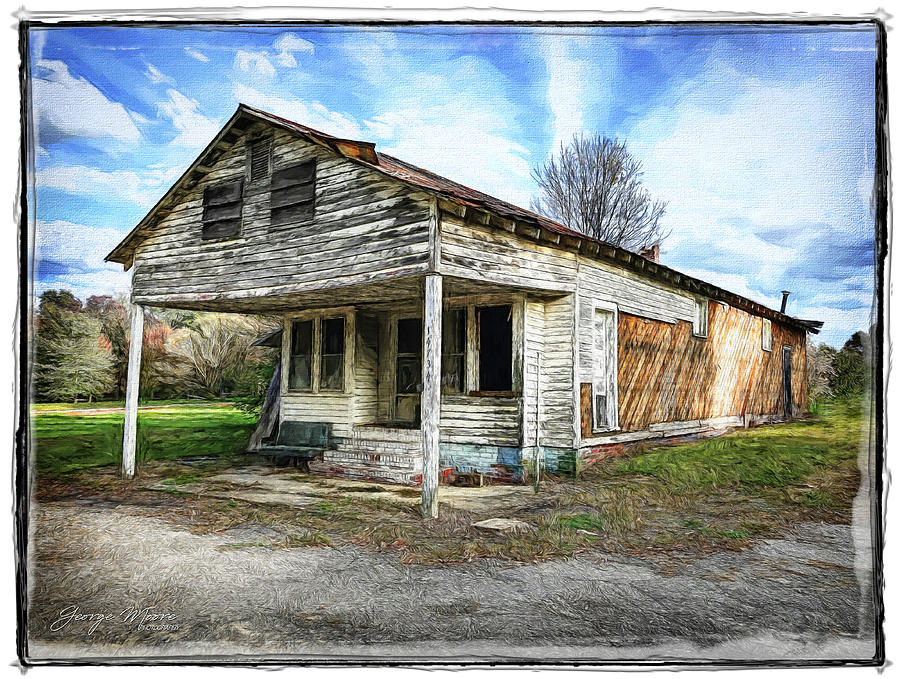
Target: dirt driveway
[[153, 588]]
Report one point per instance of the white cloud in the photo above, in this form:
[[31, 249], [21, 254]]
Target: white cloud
[[736, 283], [69, 106], [156, 76], [199, 56], [71, 256], [580, 71], [314, 115], [143, 189], [455, 119], [563, 90], [758, 175], [194, 129], [289, 43], [256, 63]]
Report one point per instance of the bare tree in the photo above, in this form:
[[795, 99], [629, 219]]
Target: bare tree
[[593, 185], [216, 347]]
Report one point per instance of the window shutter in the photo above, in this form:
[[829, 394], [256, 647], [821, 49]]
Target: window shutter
[[293, 197], [259, 160], [222, 211]]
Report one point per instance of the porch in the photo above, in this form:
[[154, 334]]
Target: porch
[[413, 378]]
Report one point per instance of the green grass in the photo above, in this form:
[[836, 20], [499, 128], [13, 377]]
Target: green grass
[[774, 456], [720, 493], [64, 444], [101, 405]]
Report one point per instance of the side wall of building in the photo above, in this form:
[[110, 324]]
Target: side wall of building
[[671, 382]]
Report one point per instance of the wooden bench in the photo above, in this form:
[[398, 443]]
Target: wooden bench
[[298, 443]]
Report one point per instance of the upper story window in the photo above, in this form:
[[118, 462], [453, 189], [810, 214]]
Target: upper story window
[[222, 210], [294, 193], [259, 158], [766, 334], [701, 317]]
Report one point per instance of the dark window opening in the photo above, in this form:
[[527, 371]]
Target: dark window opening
[[259, 159], [407, 404], [222, 210], [453, 352], [409, 355], [495, 348], [301, 355], [294, 193], [333, 354], [601, 418]]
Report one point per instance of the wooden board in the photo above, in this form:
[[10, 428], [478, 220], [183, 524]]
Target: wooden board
[[668, 375]]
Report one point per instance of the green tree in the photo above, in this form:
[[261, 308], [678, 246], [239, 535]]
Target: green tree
[[851, 367], [72, 358]]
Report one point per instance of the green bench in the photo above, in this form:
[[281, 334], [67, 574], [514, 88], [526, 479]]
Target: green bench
[[298, 443]]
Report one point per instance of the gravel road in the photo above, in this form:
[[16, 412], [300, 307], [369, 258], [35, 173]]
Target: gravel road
[[152, 588]]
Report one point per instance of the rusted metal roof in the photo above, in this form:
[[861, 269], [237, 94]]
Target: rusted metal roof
[[364, 152]]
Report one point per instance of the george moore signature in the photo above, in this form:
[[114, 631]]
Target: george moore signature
[[145, 619]]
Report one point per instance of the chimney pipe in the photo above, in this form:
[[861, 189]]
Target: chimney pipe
[[784, 296]]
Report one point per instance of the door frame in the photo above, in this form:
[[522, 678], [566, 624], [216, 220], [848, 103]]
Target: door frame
[[787, 380]]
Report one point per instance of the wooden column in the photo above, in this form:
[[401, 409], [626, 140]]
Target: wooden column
[[129, 439], [431, 396]]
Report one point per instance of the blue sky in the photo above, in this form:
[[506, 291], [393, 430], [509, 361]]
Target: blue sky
[[760, 138]]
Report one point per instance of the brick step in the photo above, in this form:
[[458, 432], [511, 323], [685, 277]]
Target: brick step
[[403, 476]]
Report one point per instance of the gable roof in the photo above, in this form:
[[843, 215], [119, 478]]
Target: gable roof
[[466, 202]]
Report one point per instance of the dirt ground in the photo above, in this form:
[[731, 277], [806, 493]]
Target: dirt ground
[[109, 579]]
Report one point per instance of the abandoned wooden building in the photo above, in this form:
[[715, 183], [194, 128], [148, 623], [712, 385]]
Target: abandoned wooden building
[[430, 327]]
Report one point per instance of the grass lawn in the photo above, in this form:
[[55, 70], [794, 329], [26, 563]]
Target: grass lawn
[[67, 443], [102, 405], [670, 501]]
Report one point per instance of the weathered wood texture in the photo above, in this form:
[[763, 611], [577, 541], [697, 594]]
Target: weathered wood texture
[[485, 420], [601, 282], [486, 254], [366, 227], [132, 390], [267, 423], [365, 384], [533, 367], [333, 409], [557, 374], [586, 411], [431, 394], [667, 375]]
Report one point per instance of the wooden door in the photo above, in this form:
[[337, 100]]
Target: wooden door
[[788, 395]]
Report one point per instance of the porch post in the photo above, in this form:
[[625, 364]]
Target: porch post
[[431, 395], [129, 438]]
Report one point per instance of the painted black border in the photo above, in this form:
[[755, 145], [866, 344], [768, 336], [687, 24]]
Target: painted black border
[[21, 482]]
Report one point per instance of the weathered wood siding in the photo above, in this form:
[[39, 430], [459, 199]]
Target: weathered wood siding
[[668, 375], [365, 382], [366, 226], [601, 282], [481, 420], [533, 362], [490, 255], [333, 409], [557, 374]]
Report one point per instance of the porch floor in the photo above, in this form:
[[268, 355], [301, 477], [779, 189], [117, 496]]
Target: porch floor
[[271, 486]]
